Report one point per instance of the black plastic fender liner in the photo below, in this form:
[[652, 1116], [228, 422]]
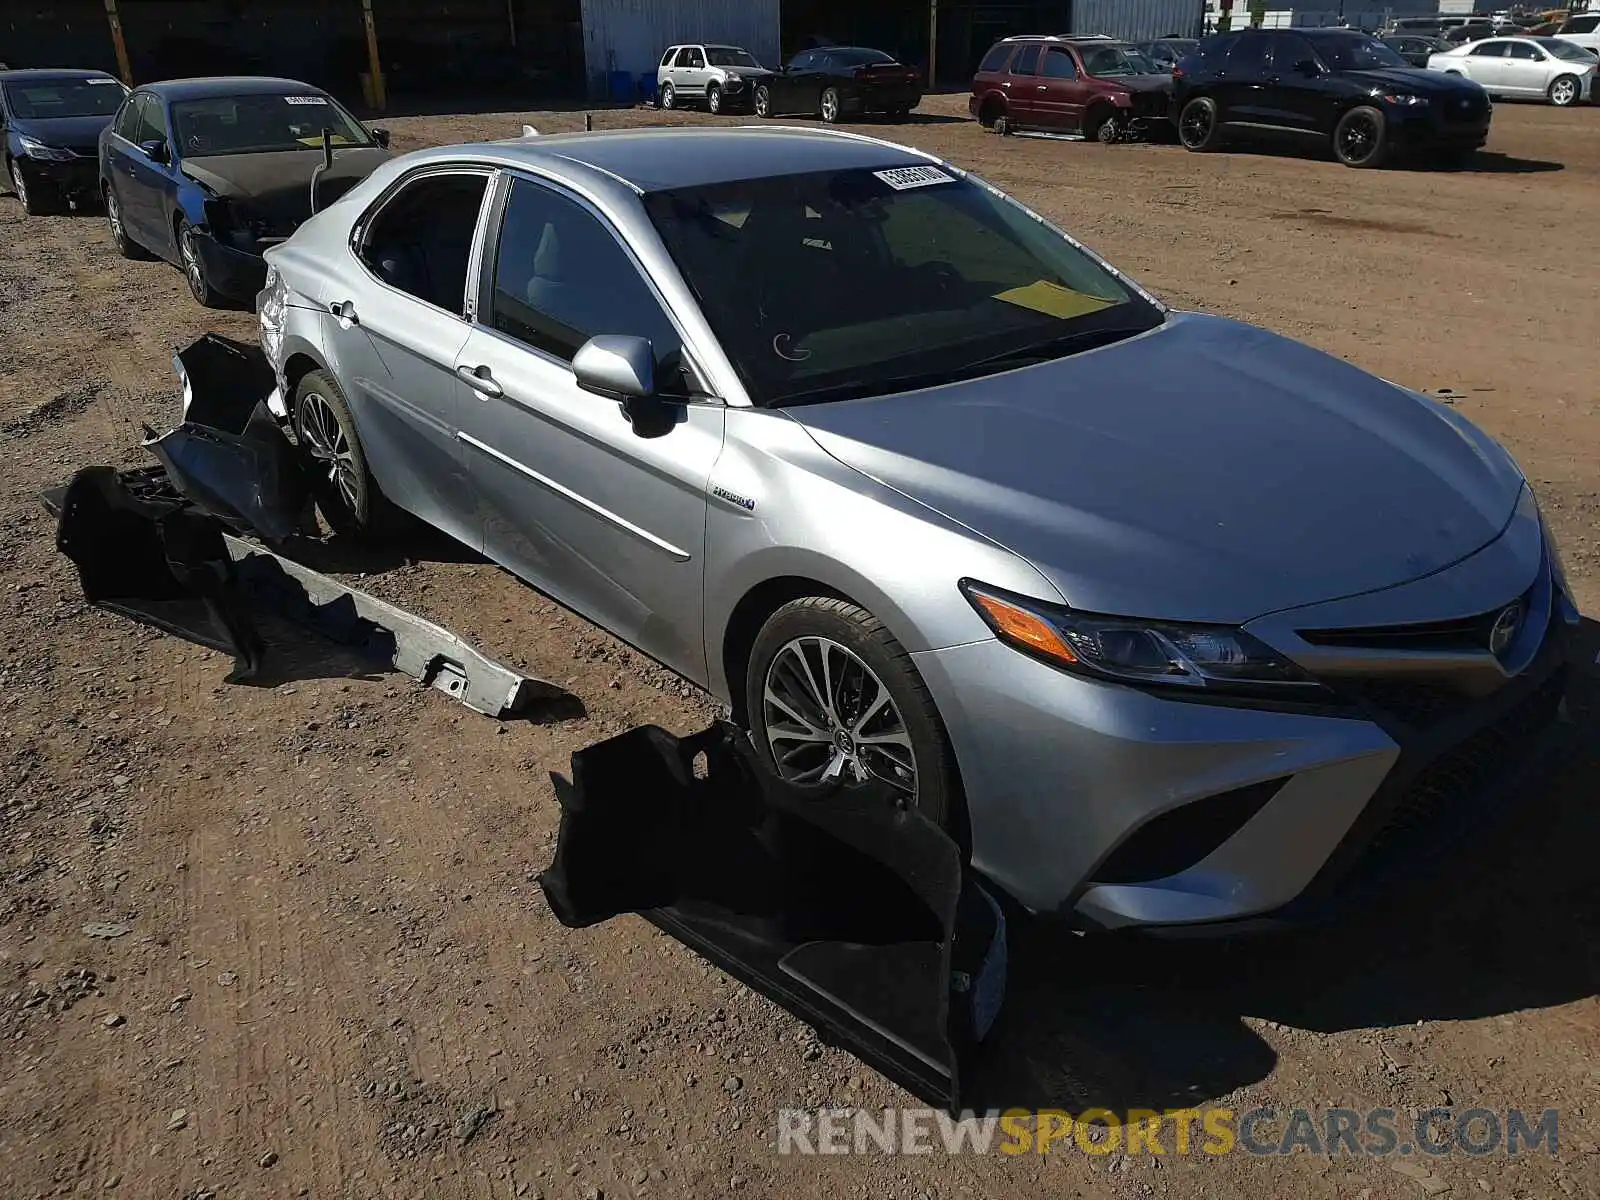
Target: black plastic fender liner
[[148, 555], [222, 380], [253, 481], [843, 905]]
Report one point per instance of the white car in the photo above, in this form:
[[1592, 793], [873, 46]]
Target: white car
[[1525, 67], [1582, 29], [717, 76]]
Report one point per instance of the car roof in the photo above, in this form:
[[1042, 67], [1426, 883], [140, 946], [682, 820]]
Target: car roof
[[663, 159], [1064, 38], [21, 73], [228, 85]]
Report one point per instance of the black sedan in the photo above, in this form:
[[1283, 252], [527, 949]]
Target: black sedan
[[51, 122], [837, 82]]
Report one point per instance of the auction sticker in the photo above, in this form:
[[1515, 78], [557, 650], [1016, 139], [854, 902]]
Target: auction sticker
[[902, 178], [305, 99]]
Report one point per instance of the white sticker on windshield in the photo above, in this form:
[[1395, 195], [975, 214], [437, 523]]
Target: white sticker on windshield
[[305, 99], [901, 178]]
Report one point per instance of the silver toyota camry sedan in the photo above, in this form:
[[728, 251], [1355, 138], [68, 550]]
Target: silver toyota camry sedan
[[1175, 622]]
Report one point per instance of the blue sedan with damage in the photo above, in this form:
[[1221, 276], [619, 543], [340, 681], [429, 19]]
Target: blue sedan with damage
[[210, 173]]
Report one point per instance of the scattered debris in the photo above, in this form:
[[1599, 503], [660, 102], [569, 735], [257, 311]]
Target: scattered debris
[[106, 929], [472, 1121], [178, 1120]]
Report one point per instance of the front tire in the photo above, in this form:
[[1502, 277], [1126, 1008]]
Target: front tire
[[1360, 139], [1564, 91], [832, 696], [345, 492], [194, 268], [832, 106], [1102, 128], [669, 96], [763, 102], [36, 200], [1198, 126], [714, 99]]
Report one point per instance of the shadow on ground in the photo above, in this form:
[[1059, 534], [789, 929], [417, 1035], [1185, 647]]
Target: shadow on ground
[[1510, 922]]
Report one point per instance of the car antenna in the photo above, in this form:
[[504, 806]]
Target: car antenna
[[325, 164]]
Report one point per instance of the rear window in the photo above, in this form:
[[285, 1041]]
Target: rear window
[[861, 58], [996, 58]]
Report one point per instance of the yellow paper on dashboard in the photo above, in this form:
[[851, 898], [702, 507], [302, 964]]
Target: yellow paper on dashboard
[[1053, 300]]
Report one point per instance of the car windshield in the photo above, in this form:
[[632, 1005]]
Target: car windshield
[[1566, 51], [1358, 54], [851, 283], [45, 99], [726, 56], [1116, 60], [258, 124]]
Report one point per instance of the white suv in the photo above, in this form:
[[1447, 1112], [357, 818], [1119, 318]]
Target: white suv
[[1582, 29], [717, 76]]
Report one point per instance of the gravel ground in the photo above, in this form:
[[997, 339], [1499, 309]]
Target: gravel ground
[[284, 940]]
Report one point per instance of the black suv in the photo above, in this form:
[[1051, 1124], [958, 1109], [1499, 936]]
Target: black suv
[[1334, 85]]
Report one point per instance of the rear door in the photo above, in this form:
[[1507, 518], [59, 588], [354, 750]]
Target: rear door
[[691, 75], [1060, 94], [1485, 63], [607, 520], [396, 319], [1021, 83], [1241, 89]]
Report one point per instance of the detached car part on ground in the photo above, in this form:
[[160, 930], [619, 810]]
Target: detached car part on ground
[[210, 173], [1336, 87], [50, 124], [164, 545], [1173, 621]]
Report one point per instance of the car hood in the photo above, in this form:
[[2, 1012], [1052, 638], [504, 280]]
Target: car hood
[[73, 133], [1204, 471], [1415, 80], [1139, 83], [278, 177], [744, 72]]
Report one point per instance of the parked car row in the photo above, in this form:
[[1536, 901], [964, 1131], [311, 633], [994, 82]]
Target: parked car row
[[831, 82]]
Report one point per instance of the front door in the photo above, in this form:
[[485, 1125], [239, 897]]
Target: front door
[[689, 77], [1296, 94], [1524, 69], [608, 521], [149, 183], [392, 332]]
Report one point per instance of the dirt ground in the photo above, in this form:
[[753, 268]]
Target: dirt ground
[[338, 978]]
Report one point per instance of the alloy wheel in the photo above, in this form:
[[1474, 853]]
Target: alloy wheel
[[114, 219], [326, 442], [1358, 137], [714, 99], [763, 102], [830, 105], [19, 185], [1195, 125], [193, 271], [1563, 92], [668, 95], [829, 718]]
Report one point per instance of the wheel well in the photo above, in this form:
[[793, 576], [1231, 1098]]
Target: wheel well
[[1098, 110], [991, 110], [296, 369], [749, 615]]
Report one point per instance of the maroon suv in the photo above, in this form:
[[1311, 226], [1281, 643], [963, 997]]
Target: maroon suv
[[1095, 86]]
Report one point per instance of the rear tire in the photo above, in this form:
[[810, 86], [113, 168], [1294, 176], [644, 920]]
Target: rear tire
[[1361, 137], [1199, 128], [346, 494], [1564, 91], [125, 245], [855, 639]]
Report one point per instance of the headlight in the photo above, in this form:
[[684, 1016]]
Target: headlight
[[34, 148], [734, 83], [1528, 505], [1405, 100], [1211, 658]]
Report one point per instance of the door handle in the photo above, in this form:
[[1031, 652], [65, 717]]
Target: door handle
[[346, 312], [481, 381], [1044, 87], [1007, 83]]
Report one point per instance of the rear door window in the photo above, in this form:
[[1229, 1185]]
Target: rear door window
[[1248, 56], [1489, 50], [995, 59], [1027, 61], [421, 239]]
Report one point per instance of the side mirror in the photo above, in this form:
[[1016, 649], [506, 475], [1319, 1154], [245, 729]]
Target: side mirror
[[381, 136], [616, 366], [1308, 67], [156, 150]]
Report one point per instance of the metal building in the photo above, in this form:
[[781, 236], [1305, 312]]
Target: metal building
[[1139, 20]]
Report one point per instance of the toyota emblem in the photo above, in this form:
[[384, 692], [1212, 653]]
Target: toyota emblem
[[1504, 631]]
